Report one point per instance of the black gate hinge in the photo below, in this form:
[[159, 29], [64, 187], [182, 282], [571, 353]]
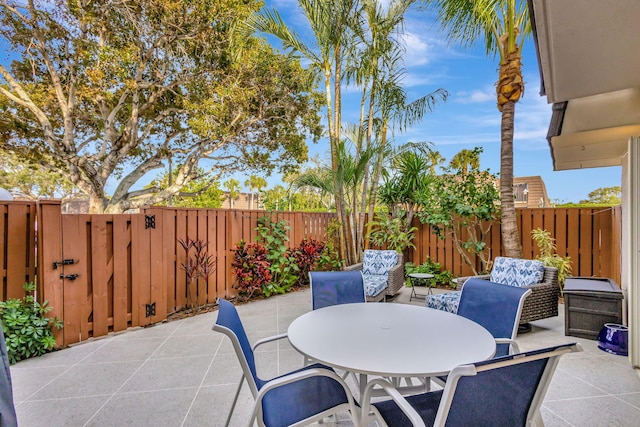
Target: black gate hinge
[[151, 309], [149, 221]]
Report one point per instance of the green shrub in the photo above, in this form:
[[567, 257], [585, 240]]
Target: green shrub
[[28, 331], [284, 271], [547, 246], [429, 267]]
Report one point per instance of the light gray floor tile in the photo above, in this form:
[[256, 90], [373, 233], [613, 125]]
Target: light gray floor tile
[[552, 420], [596, 411], [631, 398], [69, 412], [123, 350], [212, 404], [189, 346], [225, 370], [159, 330], [27, 381], [89, 380], [161, 374], [567, 386], [160, 408], [610, 377], [66, 357]]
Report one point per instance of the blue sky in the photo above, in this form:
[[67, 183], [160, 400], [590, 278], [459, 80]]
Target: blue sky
[[469, 118]]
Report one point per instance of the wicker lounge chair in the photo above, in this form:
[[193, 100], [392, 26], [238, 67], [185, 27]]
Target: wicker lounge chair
[[540, 304], [379, 263]]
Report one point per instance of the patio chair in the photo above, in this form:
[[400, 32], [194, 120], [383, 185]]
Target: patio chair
[[333, 288], [497, 308], [336, 287], [529, 274], [296, 398], [382, 269], [507, 391]]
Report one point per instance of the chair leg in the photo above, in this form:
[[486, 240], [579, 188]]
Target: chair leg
[[235, 400]]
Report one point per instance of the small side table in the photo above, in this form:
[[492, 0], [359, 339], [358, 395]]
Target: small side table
[[419, 277]]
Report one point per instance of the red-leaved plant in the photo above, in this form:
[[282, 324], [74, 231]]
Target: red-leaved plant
[[251, 267], [199, 265], [305, 256]]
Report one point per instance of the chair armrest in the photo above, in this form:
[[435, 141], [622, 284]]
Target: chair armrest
[[513, 346], [396, 278], [269, 339], [390, 390], [354, 267]]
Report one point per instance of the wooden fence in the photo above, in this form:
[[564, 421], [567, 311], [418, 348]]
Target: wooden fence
[[105, 273], [591, 237]]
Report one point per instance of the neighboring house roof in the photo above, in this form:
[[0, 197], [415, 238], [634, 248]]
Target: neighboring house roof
[[530, 192], [589, 62], [244, 201]]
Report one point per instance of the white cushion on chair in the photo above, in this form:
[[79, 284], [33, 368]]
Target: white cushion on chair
[[374, 284], [516, 272], [378, 262], [447, 301]]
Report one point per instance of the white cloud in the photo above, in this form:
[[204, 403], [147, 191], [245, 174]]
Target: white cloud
[[417, 50], [475, 96]]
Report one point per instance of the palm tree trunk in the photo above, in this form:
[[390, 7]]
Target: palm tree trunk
[[510, 236]]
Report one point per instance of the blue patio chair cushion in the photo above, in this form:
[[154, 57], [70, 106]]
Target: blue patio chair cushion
[[494, 306], [447, 301], [516, 272], [321, 394], [336, 287], [425, 404], [378, 262], [375, 283]]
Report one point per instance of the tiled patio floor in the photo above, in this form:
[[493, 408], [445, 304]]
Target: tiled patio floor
[[183, 374]]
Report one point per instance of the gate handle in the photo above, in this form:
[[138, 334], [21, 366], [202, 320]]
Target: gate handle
[[69, 276], [63, 262]]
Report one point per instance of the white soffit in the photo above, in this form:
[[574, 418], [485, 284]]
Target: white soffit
[[621, 108], [588, 47], [590, 149]]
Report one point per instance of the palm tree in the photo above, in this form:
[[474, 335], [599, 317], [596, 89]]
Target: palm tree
[[504, 25], [435, 159], [466, 159], [331, 25], [255, 183], [233, 187]]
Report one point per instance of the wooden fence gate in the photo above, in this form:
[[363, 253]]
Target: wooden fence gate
[[100, 273]]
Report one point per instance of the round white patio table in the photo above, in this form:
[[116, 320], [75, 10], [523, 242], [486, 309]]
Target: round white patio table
[[390, 340]]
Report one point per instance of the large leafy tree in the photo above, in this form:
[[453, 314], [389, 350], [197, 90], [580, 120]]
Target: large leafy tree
[[106, 92], [503, 26], [462, 204], [605, 196], [31, 180], [199, 193]]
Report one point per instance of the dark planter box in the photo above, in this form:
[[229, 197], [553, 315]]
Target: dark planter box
[[589, 303]]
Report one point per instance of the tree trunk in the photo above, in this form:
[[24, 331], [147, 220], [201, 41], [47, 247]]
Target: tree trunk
[[510, 236]]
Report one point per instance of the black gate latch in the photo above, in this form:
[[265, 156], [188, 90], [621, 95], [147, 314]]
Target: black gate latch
[[63, 262], [69, 276]]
